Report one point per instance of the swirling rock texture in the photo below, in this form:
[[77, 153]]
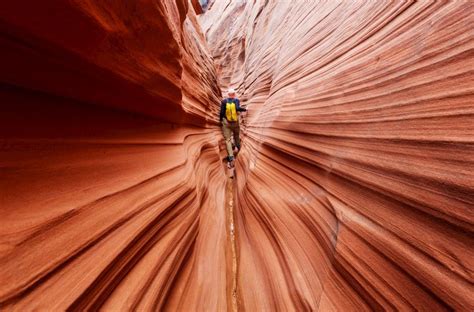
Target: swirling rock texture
[[355, 181], [111, 180], [354, 187]]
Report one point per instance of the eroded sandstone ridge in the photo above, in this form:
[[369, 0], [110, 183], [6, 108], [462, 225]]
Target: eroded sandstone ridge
[[111, 181], [354, 189], [356, 177]]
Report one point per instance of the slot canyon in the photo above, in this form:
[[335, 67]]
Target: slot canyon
[[353, 190]]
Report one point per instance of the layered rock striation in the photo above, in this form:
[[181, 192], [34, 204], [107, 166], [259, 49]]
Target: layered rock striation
[[354, 188], [355, 181], [111, 179]]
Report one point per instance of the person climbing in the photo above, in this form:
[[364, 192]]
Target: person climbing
[[230, 124]]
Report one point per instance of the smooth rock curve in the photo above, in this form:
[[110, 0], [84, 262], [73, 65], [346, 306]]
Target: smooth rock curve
[[111, 179], [355, 181]]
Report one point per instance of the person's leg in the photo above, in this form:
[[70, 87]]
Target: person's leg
[[236, 132], [227, 132]]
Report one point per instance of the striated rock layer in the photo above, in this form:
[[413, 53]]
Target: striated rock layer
[[355, 182], [111, 179], [354, 188]]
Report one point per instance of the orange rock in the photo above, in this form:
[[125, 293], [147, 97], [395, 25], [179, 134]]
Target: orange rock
[[111, 184], [355, 178], [353, 188]]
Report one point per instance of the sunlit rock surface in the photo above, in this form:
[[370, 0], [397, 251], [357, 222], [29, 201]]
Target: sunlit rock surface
[[111, 180], [356, 181]]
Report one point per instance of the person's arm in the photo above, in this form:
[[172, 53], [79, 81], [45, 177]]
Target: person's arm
[[222, 112], [238, 108]]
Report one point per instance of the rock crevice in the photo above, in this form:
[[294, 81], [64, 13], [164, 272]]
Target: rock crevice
[[353, 189]]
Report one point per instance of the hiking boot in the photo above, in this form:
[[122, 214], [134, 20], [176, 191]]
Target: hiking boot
[[230, 162]]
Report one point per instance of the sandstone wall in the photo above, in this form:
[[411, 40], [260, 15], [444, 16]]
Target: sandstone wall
[[354, 188], [355, 179], [111, 179]]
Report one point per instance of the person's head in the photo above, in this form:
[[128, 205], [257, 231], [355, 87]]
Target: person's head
[[231, 93]]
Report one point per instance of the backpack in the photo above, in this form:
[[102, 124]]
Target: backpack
[[231, 110]]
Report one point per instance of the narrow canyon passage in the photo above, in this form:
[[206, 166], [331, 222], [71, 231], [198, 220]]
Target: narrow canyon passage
[[353, 189]]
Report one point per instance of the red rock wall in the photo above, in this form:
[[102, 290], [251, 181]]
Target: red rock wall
[[111, 180], [354, 186], [355, 182]]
